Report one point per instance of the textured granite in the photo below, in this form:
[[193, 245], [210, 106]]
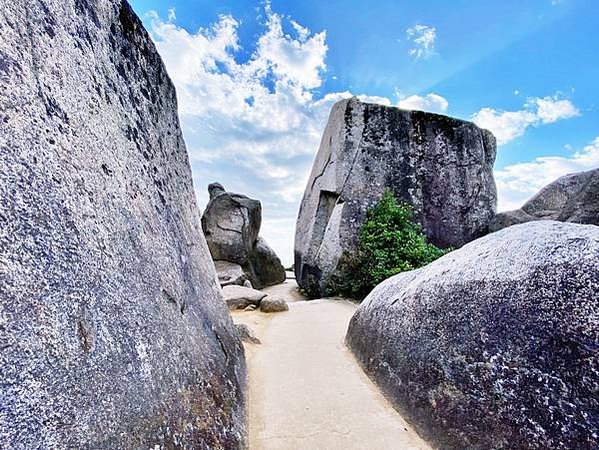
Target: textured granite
[[113, 329], [493, 345]]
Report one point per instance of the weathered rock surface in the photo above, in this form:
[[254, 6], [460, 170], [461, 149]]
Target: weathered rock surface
[[440, 165], [495, 344], [246, 334], [231, 223], [113, 330], [239, 297], [230, 273], [571, 198], [266, 264], [270, 305]]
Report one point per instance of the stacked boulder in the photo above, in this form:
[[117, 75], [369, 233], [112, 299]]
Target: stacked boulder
[[571, 198], [231, 224], [440, 165], [113, 330], [493, 345]]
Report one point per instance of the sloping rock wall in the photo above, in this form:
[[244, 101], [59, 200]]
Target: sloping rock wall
[[493, 345], [113, 330]]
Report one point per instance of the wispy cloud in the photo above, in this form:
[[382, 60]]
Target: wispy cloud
[[518, 182], [430, 102], [423, 38], [509, 125]]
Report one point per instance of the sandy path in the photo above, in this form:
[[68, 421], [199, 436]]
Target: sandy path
[[307, 391]]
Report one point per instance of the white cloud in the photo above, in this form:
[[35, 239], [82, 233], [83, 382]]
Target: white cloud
[[172, 16], [253, 125], [509, 125], [430, 102], [519, 182], [552, 109], [423, 37]]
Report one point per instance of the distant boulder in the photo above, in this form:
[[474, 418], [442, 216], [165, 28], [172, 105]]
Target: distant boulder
[[571, 198], [440, 165], [231, 223], [493, 345]]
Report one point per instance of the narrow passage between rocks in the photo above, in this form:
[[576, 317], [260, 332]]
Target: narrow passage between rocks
[[306, 389]]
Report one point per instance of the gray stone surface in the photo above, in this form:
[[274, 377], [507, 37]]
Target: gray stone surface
[[113, 330], [266, 264], [230, 273], [270, 305], [239, 297], [440, 165], [493, 345], [571, 198], [231, 223], [246, 334]]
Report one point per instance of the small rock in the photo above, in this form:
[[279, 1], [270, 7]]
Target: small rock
[[239, 297], [246, 334], [248, 284], [230, 273], [250, 308], [484, 344], [269, 305]]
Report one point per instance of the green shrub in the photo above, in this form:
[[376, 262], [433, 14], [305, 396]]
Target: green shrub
[[390, 243]]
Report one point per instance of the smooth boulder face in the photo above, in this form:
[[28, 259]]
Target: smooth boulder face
[[440, 165], [493, 345], [113, 330], [231, 223], [571, 198]]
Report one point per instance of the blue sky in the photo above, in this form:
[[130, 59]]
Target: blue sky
[[256, 81]]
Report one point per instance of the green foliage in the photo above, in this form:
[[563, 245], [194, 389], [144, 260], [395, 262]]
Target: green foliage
[[390, 243]]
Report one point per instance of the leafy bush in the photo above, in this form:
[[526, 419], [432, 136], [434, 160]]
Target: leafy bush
[[390, 243]]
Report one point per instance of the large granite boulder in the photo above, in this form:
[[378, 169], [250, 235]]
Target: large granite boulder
[[493, 345], [231, 223], [571, 198], [113, 330], [440, 165]]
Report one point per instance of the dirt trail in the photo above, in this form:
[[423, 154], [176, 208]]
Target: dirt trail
[[306, 389]]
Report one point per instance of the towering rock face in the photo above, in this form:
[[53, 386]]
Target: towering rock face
[[113, 330], [442, 166], [231, 223], [493, 345], [571, 198]]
